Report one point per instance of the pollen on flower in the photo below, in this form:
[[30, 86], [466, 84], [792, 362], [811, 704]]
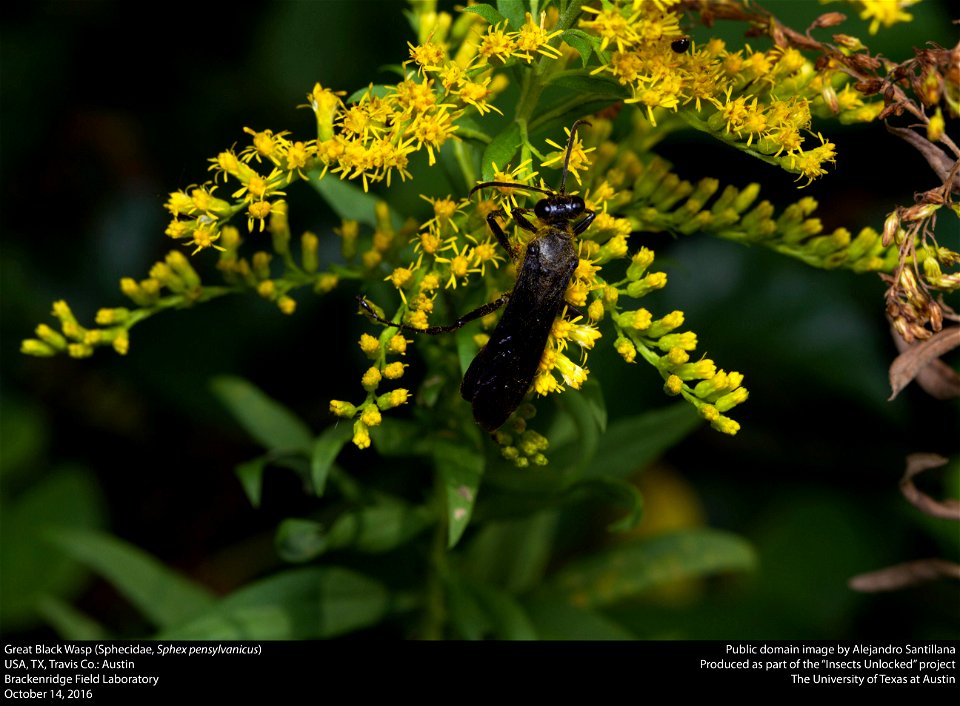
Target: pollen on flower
[[361, 435], [369, 345], [397, 344], [371, 379], [392, 399], [394, 371], [428, 55], [497, 44], [371, 415], [400, 277], [626, 349], [673, 385]]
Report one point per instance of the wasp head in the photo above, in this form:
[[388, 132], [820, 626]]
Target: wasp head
[[559, 208]]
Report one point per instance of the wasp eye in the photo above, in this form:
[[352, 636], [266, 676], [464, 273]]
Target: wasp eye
[[543, 209]]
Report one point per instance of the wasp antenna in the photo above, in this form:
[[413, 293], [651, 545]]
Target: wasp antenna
[[507, 185], [566, 159]]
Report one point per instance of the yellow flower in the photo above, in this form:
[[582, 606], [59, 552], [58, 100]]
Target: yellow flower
[[497, 44], [885, 12]]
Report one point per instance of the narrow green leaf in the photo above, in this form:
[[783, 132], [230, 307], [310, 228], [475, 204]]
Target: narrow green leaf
[[460, 470], [633, 442], [273, 426], [628, 570], [300, 540], [500, 151], [326, 448], [305, 603], [250, 475], [592, 394], [487, 12], [68, 622], [466, 348], [581, 41], [162, 595], [513, 11], [583, 414]]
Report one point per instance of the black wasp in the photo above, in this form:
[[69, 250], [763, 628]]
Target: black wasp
[[501, 374]]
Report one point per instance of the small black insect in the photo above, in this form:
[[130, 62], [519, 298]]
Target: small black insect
[[501, 374], [680, 45]]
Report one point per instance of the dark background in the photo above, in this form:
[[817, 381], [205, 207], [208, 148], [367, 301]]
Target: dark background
[[104, 113]]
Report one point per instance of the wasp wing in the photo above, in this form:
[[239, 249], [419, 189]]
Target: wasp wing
[[500, 375]]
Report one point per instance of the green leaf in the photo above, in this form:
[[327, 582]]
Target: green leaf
[[590, 87], [162, 595], [592, 394], [273, 426], [379, 528], [30, 568], [378, 90], [398, 437], [460, 470], [633, 442], [467, 617], [619, 491], [581, 41], [530, 540], [300, 540], [507, 618], [513, 11], [348, 201], [500, 151], [584, 416], [305, 603], [326, 448], [487, 12], [558, 620], [628, 570], [466, 348], [250, 475]]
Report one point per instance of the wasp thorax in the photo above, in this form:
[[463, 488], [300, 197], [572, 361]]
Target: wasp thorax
[[559, 207]]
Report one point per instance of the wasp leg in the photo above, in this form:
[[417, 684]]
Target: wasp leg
[[436, 330], [499, 234], [582, 225], [520, 220]]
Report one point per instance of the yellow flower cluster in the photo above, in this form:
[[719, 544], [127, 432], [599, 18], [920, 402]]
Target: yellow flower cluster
[[367, 414], [759, 101], [373, 137], [172, 283], [660, 344]]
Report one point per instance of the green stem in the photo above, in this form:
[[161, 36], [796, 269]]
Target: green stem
[[533, 84], [435, 613]]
